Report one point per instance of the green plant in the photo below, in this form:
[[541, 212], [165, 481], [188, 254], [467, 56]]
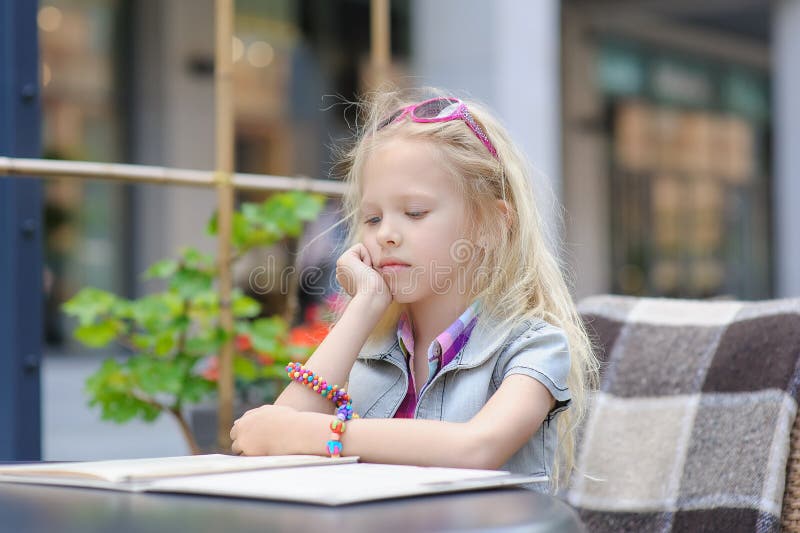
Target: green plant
[[172, 334]]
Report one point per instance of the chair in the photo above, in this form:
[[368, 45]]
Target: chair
[[694, 425]]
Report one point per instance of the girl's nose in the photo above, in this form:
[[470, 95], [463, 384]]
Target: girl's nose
[[388, 236]]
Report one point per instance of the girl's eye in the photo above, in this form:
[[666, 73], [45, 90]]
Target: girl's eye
[[413, 214]]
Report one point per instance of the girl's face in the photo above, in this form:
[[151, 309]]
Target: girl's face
[[412, 213]]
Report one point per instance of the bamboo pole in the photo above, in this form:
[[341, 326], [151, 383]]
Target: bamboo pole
[[380, 41], [223, 81], [35, 168]]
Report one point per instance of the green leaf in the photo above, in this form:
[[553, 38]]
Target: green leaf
[[181, 323], [281, 215], [164, 339], [259, 216], [245, 368], [161, 269], [211, 226], [294, 352], [164, 343], [142, 341], [195, 388], [189, 282], [142, 375], [122, 309], [308, 206], [172, 301], [88, 304], [274, 372], [207, 342], [244, 306], [97, 335], [121, 408], [96, 381], [195, 259], [204, 306], [280, 209], [114, 389], [156, 375], [157, 311], [149, 412], [266, 334]]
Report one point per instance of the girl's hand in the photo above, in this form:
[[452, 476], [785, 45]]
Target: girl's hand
[[356, 275], [265, 430]]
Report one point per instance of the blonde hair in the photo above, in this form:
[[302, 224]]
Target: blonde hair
[[526, 280]]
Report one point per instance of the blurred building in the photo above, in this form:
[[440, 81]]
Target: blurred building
[[665, 128], [668, 121]]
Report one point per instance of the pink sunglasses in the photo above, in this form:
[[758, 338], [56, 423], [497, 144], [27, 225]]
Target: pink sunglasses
[[441, 109]]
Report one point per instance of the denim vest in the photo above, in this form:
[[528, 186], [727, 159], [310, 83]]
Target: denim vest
[[379, 380]]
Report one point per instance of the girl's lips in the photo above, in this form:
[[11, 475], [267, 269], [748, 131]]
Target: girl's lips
[[393, 267]]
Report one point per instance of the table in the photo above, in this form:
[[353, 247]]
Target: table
[[35, 508]]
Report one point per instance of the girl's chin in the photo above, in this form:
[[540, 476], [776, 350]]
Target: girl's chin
[[403, 294], [407, 296]]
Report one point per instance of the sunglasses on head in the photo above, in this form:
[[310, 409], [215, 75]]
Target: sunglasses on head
[[441, 109]]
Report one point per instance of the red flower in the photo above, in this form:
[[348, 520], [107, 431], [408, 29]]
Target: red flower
[[312, 314], [309, 334], [265, 359], [211, 371], [243, 343]]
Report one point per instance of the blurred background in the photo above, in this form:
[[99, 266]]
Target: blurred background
[[666, 130]]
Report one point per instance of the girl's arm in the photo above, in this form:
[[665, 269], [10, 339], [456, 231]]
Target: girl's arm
[[334, 357], [488, 440]]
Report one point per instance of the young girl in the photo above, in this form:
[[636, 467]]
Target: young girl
[[460, 341]]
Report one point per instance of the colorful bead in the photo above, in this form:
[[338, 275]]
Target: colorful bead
[[337, 426], [334, 448]]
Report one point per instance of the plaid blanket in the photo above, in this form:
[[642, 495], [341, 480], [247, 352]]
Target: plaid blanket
[[690, 428]]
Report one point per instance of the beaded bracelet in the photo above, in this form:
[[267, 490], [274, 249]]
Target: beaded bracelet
[[335, 443], [344, 406], [302, 375]]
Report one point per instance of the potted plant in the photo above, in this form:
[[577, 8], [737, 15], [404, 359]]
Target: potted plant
[[260, 374], [173, 336]]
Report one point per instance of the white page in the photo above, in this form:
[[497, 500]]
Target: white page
[[127, 470], [341, 484]]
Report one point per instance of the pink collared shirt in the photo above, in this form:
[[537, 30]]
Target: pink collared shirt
[[441, 351]]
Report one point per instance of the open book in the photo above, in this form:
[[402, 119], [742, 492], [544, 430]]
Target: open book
[[298, 478]]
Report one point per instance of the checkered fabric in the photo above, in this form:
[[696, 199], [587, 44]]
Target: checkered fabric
[[690, 428]]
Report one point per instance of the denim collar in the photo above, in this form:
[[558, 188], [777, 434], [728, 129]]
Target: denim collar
[[483, 342]]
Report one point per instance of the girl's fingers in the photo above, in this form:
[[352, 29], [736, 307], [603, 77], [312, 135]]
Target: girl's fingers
[[360, 253], [356, 251], [365, 257], [354, 270]]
